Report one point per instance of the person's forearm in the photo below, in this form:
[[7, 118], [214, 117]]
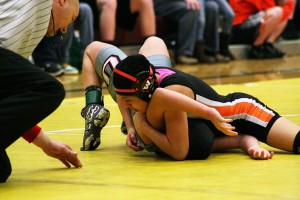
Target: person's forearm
[[126, 114], [160, 140], [181, 102], [225, 142], [177, 149], [42, 140], [243, 142], [247, 142]]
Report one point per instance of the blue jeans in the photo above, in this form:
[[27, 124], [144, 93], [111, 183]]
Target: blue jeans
[[86, 31], [213, 10], [187, 21]]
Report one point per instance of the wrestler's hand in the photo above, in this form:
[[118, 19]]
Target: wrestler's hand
[[260, 153], [221, 123], [131, 140]]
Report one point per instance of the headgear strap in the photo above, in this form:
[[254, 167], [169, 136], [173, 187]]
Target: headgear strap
[[143, 85]]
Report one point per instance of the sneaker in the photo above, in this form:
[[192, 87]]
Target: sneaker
[[277, 52], [70, 70], [186, 60], [262, 52], [96, 117], [53, 69], [221, 58]]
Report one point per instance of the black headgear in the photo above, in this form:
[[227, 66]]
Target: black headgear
[[135, 76]]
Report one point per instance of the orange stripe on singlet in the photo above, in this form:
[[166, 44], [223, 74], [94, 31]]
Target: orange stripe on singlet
[[242, 108], [245, 108]]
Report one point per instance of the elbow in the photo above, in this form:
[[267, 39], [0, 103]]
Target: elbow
[[179, 156]]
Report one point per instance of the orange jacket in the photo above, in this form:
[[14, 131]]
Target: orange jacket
[[244, 8]]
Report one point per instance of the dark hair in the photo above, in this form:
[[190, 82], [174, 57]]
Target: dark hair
[[135, 76]]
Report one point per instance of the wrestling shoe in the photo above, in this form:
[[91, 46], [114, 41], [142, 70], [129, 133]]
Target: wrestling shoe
[[96, 117]]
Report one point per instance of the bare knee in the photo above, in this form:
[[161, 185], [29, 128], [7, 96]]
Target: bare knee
[[95, 47], [154, 45], [274, 15], [141, 5], [154, 40]]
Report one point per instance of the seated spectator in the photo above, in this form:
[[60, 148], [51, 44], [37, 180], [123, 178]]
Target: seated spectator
[[218, 43], [190, 19], [125, 14], [291, 32], [296, 16], [260, 23], [52, 54], [84, 24]]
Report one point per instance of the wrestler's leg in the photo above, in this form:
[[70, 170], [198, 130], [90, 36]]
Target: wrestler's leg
[[98, 63], [89, 74], [284, 135], [154, 46]]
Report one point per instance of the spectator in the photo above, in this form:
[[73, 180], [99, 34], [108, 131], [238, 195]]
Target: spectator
[[219, 43], [125, 13], [260, 23], [190, 19], [296, 16], [291, 32], [84, 23]]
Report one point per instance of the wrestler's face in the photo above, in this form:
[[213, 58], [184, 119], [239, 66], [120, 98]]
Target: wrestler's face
[[63, 13], [134, 103]]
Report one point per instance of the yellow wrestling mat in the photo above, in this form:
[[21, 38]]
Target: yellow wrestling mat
[[114, 171]]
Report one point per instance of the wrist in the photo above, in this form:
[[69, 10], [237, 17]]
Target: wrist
[[210, 113], [42, 141], [31, 134]]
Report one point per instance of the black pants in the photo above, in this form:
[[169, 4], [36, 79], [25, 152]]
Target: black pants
[[27, 96], [49, 50]]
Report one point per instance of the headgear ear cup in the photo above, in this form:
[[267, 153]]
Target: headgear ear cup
[[146, 85], [135, 76]]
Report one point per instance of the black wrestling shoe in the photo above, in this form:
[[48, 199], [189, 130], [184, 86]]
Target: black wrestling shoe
[[96, 117]]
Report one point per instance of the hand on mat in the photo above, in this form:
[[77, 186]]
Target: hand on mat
[[58, 150]]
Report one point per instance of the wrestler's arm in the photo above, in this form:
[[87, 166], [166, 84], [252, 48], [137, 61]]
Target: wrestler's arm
[[247, 143], [174, 141], [176, 101], [127, 117]]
